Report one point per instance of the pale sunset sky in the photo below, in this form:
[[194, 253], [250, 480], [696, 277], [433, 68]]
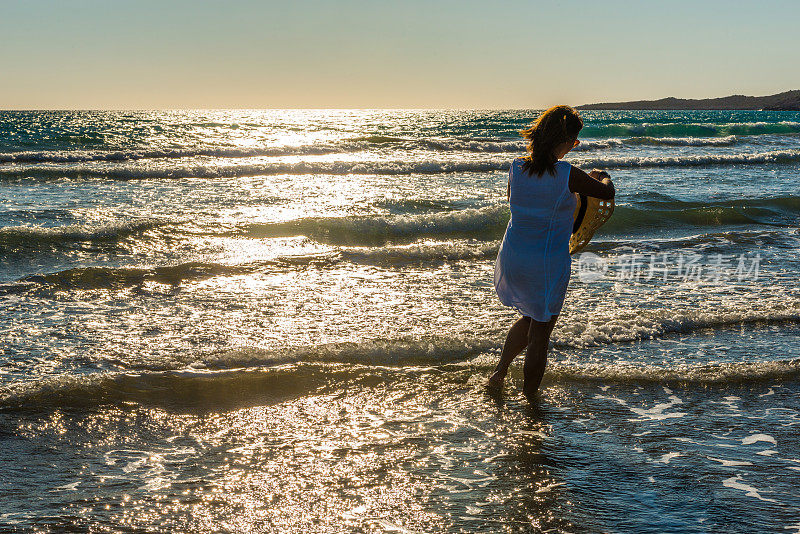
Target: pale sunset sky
[[118, 54]]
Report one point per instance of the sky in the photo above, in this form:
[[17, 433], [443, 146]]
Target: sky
[[120, 54]]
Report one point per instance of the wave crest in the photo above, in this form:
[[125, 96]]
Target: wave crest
[[710, 374], [487, 222], [375, 167], [696, 129], [497, 145], [16, 238], [229, 389], [774, 156]]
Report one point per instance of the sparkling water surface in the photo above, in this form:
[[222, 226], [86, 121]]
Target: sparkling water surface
[[280, 321]]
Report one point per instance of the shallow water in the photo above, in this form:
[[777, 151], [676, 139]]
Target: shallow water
[[281, 320]]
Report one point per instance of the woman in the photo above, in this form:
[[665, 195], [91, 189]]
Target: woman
[[533, 264]]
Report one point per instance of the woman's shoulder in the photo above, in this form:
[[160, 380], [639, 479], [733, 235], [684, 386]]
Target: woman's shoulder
[[517, 163], [561, 166]]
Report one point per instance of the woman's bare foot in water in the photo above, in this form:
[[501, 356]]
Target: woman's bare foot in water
[[495, 382]]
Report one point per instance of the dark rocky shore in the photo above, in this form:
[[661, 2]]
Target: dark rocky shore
[[786, 101]]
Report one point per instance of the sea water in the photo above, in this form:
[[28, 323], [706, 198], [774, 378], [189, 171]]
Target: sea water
[[280, 321]]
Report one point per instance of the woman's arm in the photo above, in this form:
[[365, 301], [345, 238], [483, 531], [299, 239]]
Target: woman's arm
[[582, 183]]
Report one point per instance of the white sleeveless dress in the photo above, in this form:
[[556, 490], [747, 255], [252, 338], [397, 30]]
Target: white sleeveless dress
[[533, 265]]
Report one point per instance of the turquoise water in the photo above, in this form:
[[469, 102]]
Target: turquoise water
[[279, 321]]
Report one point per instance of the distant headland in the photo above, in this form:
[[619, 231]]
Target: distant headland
[[787, 101]]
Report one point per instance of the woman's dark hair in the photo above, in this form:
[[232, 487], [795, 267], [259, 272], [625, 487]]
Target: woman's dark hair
[[553, 127]]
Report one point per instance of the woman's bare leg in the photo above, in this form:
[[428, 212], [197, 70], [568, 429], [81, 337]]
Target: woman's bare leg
[[516, 341], [536, 355]]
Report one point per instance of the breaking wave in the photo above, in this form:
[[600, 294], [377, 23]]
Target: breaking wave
[[16, 238], [696, 129], [374, 167], [488, 222], [132, 172], [653, 324], [109, 277], [774, 156], [229, 388], [483, 224], [361, 144], [710, 374], [88, 278], [682, 141], [780, 211], [79, 156]]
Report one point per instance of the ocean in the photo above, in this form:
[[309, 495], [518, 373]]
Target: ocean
[[280, 321]]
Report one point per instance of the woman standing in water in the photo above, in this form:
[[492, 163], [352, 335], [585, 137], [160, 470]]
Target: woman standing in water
[[533, 264]]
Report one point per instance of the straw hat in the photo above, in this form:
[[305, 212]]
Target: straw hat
[[590, 214]]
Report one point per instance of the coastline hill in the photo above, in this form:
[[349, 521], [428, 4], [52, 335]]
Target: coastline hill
[[786, 101]]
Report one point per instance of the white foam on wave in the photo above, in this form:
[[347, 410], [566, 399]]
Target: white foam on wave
[[774, 156], [588, 144], [665, 459], [78, 156], [266, 373], [68, 487], [750, 491], [638, 323], [234, 170], [703, 129], [345, 146], [380, 166], [755, 438], [656, 413], [730, 403], [729, 463], [550, 487], [423, 350], [466, 145], [682, 141], [719, 373], [768, 452]]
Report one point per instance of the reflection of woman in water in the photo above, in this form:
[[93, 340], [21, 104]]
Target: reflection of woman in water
[[533, 264]]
